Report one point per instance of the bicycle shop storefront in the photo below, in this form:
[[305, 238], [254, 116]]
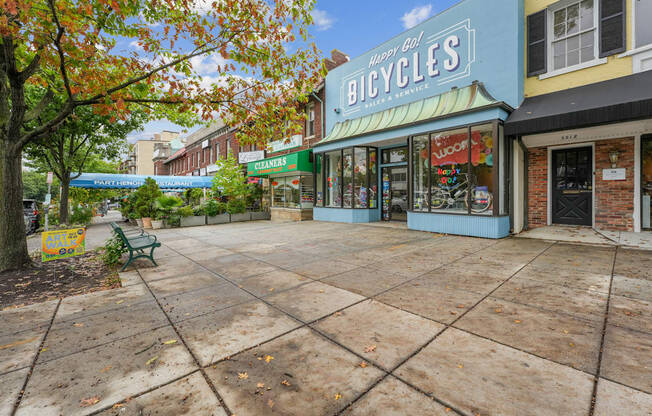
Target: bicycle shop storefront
[[416, 133]]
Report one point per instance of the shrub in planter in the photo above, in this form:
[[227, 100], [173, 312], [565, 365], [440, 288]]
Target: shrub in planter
[[236, 206], [215, 212], [188, 219], [146, 197], [238, 210], [165, 206]]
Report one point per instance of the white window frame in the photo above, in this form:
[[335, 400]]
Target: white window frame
[[641, 54], [310, 110], [550, 16]]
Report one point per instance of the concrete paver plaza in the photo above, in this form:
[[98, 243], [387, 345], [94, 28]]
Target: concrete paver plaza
[[320, 318]]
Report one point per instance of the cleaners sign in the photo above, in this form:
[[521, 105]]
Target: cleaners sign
[[60, 244], [415, 63]]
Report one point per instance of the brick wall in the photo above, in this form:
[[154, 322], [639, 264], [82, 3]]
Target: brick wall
[[614, 200], [537, 187]]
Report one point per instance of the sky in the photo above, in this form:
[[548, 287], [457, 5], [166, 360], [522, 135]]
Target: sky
[[352, 26]]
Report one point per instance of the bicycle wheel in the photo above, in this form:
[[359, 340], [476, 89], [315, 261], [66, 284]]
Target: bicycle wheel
[[439, 199], [479, 205]]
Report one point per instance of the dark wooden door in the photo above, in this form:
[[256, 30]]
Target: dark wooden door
[[572, 186]]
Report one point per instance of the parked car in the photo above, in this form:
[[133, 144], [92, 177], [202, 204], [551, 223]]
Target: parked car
[[28, 224], [30, 208]]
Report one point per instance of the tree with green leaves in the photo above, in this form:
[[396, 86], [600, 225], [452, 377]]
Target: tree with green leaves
[[229, 180], [84, 136], [75, 49]]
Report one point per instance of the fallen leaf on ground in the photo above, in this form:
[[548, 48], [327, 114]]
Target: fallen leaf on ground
[[119, 302], [118, 405], [171, 341], [151, 360], [17, 343], [89, 402], [243, 376], [105, 369], [285, 383], [260, 385], [270, 403], [498, 310], [268, 358], [460, 366], [517, 321], [565, 331], [44, 349], [363, 364], [370, 348], [78, 324], [460, 306], [338, 396]]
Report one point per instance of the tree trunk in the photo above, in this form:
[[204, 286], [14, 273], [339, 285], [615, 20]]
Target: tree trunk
[[13, 242], [63, 200]]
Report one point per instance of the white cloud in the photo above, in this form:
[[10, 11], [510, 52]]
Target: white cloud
[[207, 64], [416, 16], [322, 19], [134, 45]]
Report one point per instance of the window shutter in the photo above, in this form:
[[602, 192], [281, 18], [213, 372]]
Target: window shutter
[[612, 27], [536, 43]]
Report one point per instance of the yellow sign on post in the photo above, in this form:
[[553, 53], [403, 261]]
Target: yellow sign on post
[[60, 244]]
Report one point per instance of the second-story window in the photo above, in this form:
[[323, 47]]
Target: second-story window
[[310, 120], [574, 40], [642, 26]]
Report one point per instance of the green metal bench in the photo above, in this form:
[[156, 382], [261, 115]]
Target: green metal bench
[[136, 245], [129, 232]]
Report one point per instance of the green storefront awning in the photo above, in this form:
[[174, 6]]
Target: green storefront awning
[[292, 162], [458, 100]]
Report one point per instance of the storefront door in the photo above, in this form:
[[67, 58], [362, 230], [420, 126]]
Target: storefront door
[[395, 201], [572, 186], [646, 181]]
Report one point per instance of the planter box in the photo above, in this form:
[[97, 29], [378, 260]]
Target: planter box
[[193, 221], [241, 217], [260, 215], [139, 222], [157, 225], [218, 219]]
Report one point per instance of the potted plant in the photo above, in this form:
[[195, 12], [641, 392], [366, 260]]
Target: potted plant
[[237, 208], [191, 217], [216, 212], [165, 206], [157, 221], [146, 197]]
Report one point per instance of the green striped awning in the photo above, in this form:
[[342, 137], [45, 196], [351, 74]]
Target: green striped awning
[[457, 100]]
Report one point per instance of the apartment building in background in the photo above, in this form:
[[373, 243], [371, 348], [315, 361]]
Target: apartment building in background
[[139, 160]]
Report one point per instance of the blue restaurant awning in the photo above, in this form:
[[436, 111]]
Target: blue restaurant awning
[[117, 181]]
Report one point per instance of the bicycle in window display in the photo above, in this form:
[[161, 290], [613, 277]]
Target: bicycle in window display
[[448, 196]]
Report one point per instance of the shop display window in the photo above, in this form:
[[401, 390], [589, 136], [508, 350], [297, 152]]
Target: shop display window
[[360, 191], [347, 178], [333, 177], [482, 169], [454, 171], [396, 155], [420, 168], [449, 181], [292, 191], [319, 185], [373, 179]]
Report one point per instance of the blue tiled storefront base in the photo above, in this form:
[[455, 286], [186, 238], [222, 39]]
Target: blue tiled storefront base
[[470, 225], [345, 215]]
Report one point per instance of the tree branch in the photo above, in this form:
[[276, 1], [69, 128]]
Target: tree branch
[[36, 111]]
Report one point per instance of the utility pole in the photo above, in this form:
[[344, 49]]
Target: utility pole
[[48, 198]]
